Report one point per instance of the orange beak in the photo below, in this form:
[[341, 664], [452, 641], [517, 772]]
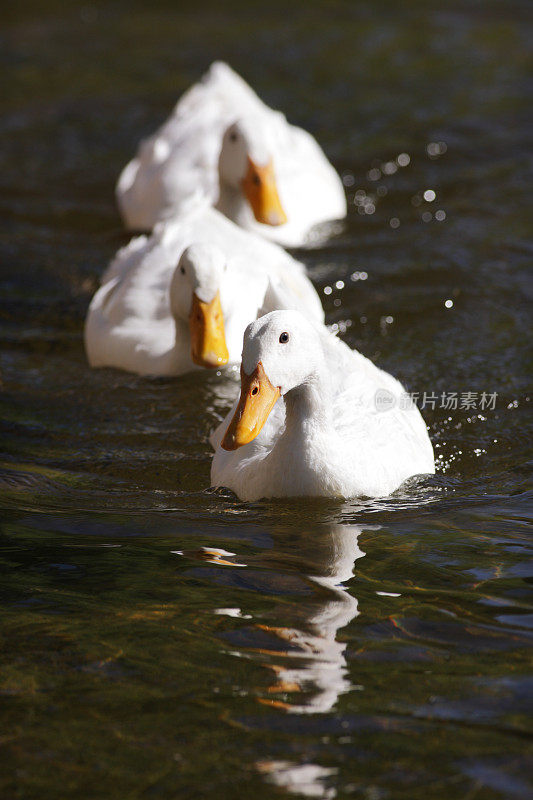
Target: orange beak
[[259, 187], [258, 398], [208, 341]]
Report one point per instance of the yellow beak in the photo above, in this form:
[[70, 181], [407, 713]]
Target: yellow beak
[[258, 398], [259, 187], [208, 341]]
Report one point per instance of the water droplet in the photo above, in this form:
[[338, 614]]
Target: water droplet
[[403, 159], [448, 303], [435, 149], [429, 195], [389, 168], [394, 222], [339, 285], [373, 174], [359, 276], [327, 290], [427, 216], [440, 215]]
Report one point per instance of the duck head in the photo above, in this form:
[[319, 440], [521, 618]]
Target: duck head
[[281, 352], [195, 299], [246, 166]]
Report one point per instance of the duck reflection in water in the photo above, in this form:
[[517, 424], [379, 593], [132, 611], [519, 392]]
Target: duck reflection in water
[[303, 652], [298, 643], [305, 571]]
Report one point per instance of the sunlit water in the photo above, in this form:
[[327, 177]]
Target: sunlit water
[[160, 639]]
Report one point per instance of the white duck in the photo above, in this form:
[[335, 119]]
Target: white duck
[[266, 175], [182, 297], [341, 429]]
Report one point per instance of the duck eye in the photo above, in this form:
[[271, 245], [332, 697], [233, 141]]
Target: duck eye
[[284, 337], [256, 180], [182, 270], [233, 136]]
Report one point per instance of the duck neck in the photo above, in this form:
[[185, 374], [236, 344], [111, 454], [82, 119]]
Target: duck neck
[[182, 344], [182, 329], [232, 203], [308, 408]]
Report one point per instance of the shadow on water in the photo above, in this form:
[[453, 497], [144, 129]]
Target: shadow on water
[[162, 639]]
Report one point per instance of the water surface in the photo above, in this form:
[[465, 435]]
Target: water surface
[[160, 639]]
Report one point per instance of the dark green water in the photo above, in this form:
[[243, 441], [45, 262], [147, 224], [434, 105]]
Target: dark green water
[[136, 664]]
